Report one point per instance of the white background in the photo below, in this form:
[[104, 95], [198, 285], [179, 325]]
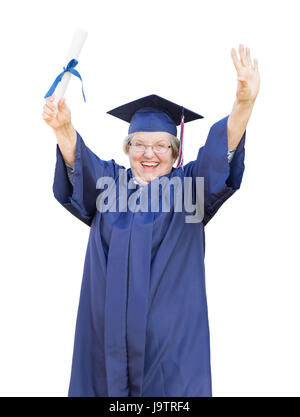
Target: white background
[[179, 50]]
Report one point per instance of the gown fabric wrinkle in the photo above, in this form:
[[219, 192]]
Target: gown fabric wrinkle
[[142, 325]]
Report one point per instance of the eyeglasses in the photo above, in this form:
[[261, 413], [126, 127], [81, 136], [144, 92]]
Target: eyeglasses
[[139, 148]]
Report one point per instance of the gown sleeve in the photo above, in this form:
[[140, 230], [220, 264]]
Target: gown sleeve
[[70, 172], [230, 155], [79, 195], [222, 174]]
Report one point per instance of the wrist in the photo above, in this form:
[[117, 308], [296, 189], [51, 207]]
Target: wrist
[[66, 132], [249, 103]]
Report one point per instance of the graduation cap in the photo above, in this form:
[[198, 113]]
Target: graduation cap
[[156, 114]]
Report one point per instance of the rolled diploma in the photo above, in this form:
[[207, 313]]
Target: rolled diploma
[[78, 40]]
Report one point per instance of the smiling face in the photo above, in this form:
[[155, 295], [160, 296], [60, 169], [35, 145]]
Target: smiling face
[[149, 164]]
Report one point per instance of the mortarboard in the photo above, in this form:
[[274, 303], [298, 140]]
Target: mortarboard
[[155, 114]]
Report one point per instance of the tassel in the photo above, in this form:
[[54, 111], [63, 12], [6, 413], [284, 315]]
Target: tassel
[[180, 156]]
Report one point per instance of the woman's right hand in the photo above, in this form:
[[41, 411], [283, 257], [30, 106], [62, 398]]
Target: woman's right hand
[[61, 119], [61, 124]]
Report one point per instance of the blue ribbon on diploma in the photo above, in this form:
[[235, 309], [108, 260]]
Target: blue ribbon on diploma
[[70, 68]]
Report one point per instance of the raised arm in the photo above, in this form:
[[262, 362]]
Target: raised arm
[[76, 190], [62, 126], [247, 90]]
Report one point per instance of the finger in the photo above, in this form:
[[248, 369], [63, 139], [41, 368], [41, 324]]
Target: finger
[[255, 64], [49, 112], [248, 58], [242, 55], [49, 107], [50, 99], [47, 116], [235, 59]]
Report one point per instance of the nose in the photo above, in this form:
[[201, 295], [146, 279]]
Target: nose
[[149, 151]]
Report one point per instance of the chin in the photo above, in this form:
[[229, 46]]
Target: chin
[[148, 178]]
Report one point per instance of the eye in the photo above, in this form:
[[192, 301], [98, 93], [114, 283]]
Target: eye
[[161, 147]]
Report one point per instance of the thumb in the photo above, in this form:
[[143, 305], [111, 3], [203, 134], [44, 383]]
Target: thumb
[[61, 104]]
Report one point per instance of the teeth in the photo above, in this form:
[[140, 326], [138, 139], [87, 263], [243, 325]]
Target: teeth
[[149, 164]]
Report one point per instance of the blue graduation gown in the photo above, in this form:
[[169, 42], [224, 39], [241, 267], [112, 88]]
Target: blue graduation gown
[[142, 324]]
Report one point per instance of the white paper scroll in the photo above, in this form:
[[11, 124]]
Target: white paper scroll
[[74, 52]]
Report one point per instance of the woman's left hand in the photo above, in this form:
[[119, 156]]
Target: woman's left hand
[[247, 75]]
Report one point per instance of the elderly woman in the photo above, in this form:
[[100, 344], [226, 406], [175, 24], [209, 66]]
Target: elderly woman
[[142, 324]]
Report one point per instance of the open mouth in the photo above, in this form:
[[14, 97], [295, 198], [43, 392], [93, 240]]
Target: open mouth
[[149, 165]]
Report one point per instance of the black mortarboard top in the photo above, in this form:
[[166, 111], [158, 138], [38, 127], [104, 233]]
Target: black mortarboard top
[[155, 114]]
